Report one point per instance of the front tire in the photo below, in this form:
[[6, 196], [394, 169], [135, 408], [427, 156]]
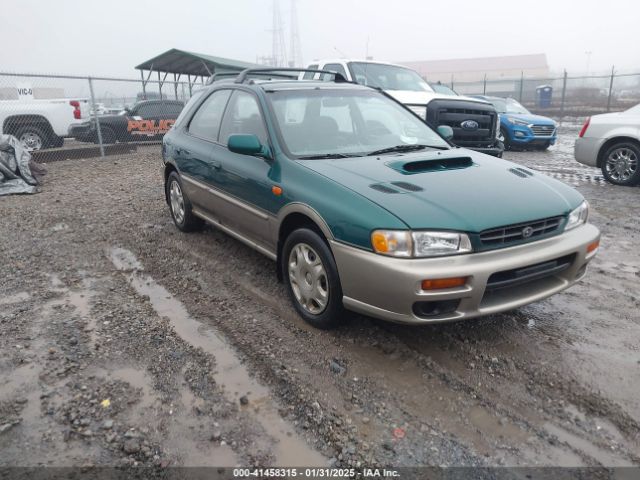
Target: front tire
[[621, 164], [504, 138], [312, 280], [180, 206]]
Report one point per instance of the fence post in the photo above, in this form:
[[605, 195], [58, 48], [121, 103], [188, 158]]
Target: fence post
[[144, 86], [95, 117], [564, 92], [452, 81], [521, 85], [610, 89], [484, 85]]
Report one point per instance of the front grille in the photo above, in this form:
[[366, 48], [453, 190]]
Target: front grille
[[530, 273], [509, 234], [543, 130], [454, 112]]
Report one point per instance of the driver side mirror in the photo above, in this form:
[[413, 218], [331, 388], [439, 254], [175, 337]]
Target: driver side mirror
[[247, 144], [445, 131]]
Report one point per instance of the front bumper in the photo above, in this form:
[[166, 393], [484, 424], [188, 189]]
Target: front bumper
[[389, 288], [496, 150], [522, 135]]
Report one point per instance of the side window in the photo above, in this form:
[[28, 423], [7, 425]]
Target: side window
[[333, 67], [243, 116], [145, 111], [309, 75], [206, 121], [170, 110], [188, 107]]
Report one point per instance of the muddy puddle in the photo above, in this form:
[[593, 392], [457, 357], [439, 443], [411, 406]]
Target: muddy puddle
[[289, 449]]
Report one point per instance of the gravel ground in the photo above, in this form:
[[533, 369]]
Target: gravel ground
[[126, 342]]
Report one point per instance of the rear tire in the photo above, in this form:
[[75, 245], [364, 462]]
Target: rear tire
[[180, 206], [31, 137], [311, 278], [108, 136], [621, 164]]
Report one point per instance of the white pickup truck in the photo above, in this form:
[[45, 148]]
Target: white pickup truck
[[475, 123], [41, 123]]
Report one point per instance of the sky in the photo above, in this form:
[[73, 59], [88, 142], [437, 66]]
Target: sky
[[110, 38]]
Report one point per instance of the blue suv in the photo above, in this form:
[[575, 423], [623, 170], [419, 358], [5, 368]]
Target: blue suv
[[519, 128]]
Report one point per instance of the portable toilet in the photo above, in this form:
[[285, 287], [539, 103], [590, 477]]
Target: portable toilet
[[544, 93]]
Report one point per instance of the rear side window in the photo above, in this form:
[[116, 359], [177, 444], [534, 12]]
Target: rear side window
[[195, 98], [243, 116], [333, 67], [207, 119], [309, 75]]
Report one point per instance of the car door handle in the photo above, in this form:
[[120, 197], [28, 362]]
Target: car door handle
[[216, 164]]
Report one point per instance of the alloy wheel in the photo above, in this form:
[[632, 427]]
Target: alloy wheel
[[621, 164], [31, 141]]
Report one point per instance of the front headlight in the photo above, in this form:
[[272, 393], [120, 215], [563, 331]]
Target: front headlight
[[419, 110], [403, 243], [516, 121], [578, 216]]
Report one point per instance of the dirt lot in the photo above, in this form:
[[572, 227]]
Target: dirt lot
[[126, 342]]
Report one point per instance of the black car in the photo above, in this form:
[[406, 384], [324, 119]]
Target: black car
[[146, 120]]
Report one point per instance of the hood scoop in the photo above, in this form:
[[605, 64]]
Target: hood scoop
[[396, 187], [434, 165], [521, 172]]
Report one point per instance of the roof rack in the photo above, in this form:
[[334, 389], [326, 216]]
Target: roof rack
[[242, 77], [219, 76]]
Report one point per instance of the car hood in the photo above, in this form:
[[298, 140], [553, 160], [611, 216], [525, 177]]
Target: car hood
[[455, 189], [423, 98], [527, 117]]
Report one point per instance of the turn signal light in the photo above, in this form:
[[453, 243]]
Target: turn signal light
[[438, 283], [276, 190], [593, 246]]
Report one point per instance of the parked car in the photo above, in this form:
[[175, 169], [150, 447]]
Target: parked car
[[40, 123], [475, 122], [146, 120], [364, 207], [611, 142], [519, 128]]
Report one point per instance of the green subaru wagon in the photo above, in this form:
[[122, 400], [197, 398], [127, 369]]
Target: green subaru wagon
[[365, 208]]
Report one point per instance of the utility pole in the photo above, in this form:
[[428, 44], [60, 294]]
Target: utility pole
[[295, 51], [278, 50]]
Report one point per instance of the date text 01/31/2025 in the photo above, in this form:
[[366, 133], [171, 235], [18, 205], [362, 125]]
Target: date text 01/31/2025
[[314, 472]]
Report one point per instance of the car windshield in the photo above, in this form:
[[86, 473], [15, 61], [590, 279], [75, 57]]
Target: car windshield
[[388, 77], [440, 88], [508, 105], [346, 122]]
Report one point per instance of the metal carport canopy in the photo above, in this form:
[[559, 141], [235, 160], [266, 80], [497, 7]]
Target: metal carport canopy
[[194, 65], [191, 63]]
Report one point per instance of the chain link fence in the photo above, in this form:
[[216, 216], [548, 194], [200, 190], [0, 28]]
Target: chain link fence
[[60, 116], [561, 96]]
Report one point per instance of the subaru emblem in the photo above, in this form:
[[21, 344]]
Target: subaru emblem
[[527, 232], [469, 125]]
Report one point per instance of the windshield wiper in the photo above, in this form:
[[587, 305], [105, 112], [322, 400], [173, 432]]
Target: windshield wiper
[[405, 148], [327, 155]]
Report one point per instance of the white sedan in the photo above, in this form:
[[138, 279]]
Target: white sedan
[[611, 141]]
